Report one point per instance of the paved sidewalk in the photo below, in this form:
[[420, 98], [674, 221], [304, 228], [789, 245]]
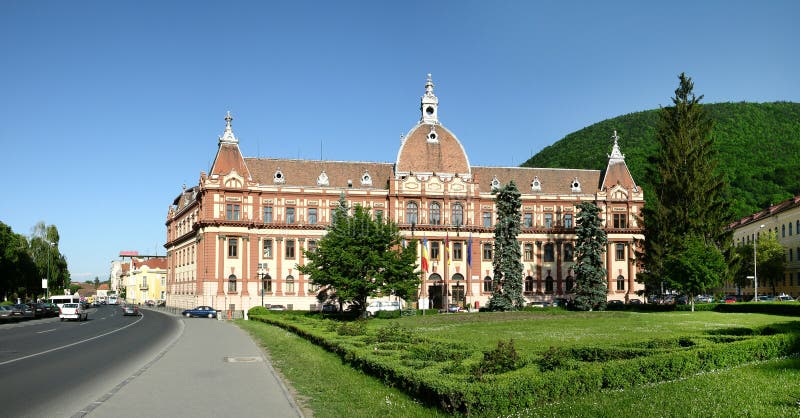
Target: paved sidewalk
[[213, 369]]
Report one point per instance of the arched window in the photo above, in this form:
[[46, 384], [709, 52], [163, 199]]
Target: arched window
[[435, 277], [487, 284], [620, 282], [457, 214], [290, 284], [529, 284], [232, 283], [412, 213], [568, 252], [570, 283], [266, 284], [549, 252], [548, 284], [435, 214]]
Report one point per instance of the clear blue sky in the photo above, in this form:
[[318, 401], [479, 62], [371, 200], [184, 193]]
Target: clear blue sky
[[108, 107]]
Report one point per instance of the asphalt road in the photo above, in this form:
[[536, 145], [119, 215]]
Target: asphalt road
[[54, 368]]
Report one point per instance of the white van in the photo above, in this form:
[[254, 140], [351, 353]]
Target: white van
[[379, 305]]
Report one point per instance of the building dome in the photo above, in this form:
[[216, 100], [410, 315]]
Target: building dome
[[430, 147]]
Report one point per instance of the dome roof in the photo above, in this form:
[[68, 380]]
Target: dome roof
[[431, 148]]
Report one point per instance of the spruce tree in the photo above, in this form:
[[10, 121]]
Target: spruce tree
[[507, 264], [591, 286], [689, 196]]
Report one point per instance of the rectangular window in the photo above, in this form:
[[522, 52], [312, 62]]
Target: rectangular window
[[312, 245], [289, 248], [434, 250], [378, 214], [487, 219], [312, 216], [527, 220], [528, 251], [487, 284], [568, 220], [267, 214], [289, 215], [548, 220], [267, 245], [620, 252], [620, 220], [233, 247], [487, 251], [457, 251], [232, 212], [232, 286], [144, 282]]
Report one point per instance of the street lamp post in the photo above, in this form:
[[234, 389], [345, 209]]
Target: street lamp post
[[261, 274], [755, 264]]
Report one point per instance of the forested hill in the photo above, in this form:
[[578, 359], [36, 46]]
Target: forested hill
[[759, 147]]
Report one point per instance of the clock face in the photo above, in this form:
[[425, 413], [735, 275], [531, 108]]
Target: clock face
[[429, 110]]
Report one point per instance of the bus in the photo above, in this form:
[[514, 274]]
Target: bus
[[62, 299], [112, 300]]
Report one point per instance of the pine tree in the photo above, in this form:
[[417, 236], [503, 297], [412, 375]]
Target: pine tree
[[689, 197], [591, 286], [507, 293]]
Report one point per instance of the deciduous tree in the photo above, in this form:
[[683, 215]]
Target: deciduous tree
[[361, 257]]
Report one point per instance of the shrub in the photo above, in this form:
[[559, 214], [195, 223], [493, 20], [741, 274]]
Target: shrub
[[502, 359], [387, 314], [394, 333], [353, 328], [257, 310]]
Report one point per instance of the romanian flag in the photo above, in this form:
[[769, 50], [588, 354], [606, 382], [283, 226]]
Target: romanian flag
[[425, 254]]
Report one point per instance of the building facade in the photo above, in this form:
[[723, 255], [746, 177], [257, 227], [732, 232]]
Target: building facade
[[784, 220], [146, 280], [235, 239]]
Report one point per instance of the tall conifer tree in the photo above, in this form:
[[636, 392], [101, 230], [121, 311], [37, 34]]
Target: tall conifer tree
[[507, 293], [591, 286], [690, 196]]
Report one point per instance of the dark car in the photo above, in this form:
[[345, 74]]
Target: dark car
[[38, 310], [201, 312], [6, 313], [23, 311], [50, 309], [130, 310]]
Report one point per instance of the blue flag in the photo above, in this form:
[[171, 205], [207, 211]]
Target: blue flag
[[469, 250]]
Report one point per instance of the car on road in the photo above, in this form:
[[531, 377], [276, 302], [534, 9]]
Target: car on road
[[784, 298], [73, 311], [200, 312], [277, 308], [6, 313], [730, 299], [23, 311], [130, 310]]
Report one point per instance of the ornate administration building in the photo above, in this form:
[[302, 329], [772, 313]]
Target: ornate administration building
[[235, 240]]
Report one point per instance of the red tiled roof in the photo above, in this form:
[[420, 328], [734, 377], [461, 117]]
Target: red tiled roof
[[553, 180], [419, 155], [306, 172]]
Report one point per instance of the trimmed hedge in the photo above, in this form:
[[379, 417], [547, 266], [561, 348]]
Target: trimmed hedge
[[437, 373]]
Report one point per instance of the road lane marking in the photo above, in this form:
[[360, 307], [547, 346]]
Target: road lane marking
[[47, 330], [70, 345]]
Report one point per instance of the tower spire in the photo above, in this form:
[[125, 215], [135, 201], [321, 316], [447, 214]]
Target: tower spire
[[616, 155], [429, 104], [227, 136]]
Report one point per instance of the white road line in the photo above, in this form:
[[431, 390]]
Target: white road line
[[47, 330], [69, 345]]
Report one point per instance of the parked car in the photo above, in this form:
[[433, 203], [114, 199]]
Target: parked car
[[150, 302], [23, 311], [329, 308], [382, 305], [277, 308], [50, 309], [730, 299], [784, 298], [703, 299], [38, 310], [766, 298], [130, 310], [5, 313], [453, 308], [540, 304], [200, 312], [73, 311]]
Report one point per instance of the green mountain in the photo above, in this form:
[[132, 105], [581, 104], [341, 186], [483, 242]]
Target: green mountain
[[759, 148]]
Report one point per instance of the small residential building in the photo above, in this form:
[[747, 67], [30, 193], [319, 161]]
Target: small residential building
[[784, 220], [146, 280]]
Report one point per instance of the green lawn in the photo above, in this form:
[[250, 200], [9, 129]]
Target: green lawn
[[331, 388]]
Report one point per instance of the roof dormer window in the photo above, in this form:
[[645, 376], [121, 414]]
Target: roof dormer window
[[366, 179], [278, 177], [322, 180], [536, 185], [495, 183], [432, 136], [575, 185]]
